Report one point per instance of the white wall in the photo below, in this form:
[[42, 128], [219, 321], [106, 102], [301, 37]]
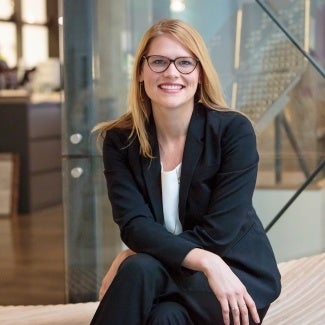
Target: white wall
[[301, 230]]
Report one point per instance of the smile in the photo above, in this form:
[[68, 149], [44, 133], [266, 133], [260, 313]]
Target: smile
[[170, 87]]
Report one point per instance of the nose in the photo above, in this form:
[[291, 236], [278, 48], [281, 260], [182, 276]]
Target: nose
[[171, 69]]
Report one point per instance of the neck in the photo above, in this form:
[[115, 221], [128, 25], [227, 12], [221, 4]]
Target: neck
[[171, 125]]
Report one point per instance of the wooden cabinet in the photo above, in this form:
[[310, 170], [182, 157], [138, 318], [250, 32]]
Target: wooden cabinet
[[33, 131]]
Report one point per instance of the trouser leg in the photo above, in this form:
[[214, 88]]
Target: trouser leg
[[169, 313], [142, 286], [202, 304], [262, 312], [129, 299]]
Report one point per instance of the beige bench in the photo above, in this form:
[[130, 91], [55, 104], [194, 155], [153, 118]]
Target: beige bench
[[302, 301]]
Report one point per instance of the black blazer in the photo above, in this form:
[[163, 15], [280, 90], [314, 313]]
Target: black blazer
[[218, 178]]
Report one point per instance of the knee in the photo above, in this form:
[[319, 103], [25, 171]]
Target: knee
[[141, 265], [169, 313]]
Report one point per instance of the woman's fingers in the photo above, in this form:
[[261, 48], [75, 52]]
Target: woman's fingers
[[225, 310], [252, 308], [231, 293], [235, 313], [239, 309], [244, 314]]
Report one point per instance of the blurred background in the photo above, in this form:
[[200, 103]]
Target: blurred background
[[66, 65]]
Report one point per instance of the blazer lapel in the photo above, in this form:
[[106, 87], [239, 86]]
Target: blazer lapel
[[192, 153], [151, 169]]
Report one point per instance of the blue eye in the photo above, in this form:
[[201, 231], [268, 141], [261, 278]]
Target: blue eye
[[158, 61], [185, 62]]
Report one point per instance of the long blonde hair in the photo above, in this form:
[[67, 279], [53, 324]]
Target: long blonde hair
[[139, 106]]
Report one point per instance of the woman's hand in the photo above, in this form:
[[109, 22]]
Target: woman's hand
[[108, 278], [229, 290]]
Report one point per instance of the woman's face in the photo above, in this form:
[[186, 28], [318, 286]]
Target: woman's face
[[170, 89]]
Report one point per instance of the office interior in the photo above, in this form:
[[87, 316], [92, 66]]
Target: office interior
[[66, 65]]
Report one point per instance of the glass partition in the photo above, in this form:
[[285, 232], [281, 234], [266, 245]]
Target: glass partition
[[263, 75], [304, 21], [92, 237], [282, 93]]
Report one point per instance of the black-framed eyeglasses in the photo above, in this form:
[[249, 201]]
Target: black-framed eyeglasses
[[159, 63]]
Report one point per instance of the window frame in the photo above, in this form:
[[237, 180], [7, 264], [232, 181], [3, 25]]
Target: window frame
[[51, 24]]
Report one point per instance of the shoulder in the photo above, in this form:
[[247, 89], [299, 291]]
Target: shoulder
[[230, 135], [227, 121], [117, 137]]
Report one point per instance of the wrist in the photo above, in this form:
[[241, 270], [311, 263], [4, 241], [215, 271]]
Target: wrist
[[201, 260], [209, 262]]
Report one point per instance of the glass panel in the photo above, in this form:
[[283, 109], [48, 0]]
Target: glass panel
[[304, 20], [6, 9], [262, 74], [89, 224], [33, 11], [134, 18], [92, 241], [35, 45], [283, 95]]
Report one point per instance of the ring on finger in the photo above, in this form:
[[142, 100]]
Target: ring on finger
[[234, 308]]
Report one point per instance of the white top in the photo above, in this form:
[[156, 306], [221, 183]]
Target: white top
[[170, 197]]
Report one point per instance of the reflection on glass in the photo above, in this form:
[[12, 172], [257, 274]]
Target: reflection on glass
[[35, 45], [33, 11], [317, 30], [304, 20], [8, 45], [292, 145], [93, 238]]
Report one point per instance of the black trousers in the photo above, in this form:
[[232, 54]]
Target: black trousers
[[145, 293]]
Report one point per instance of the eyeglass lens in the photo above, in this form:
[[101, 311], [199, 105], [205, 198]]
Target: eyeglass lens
[[159, 63]]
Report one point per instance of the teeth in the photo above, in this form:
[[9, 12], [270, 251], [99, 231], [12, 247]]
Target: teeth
[[171, 87]]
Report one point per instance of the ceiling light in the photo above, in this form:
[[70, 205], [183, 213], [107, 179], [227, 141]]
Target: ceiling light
[[177, 5]]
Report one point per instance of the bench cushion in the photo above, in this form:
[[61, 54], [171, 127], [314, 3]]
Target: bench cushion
[[302, 300]]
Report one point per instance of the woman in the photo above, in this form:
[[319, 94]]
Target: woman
[[180, 169]]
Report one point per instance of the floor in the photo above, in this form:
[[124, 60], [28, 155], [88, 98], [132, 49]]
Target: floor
[[32, 258]]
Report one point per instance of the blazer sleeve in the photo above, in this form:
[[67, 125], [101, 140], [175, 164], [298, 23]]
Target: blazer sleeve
[[230, 213], [131, 211]]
